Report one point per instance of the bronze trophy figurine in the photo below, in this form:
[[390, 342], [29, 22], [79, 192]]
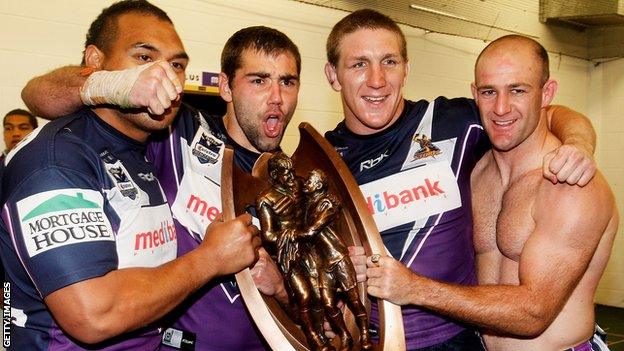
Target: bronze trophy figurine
[[297, 232], [335, 269], [307, 224]]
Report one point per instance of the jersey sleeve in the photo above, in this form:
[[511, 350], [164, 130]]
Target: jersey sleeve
[[60, 226]]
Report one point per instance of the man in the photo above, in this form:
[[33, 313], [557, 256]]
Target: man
[[419, 196], [280, 210], [17, 124], [541, 244], [86, 235], [335, 269], [260, 83]]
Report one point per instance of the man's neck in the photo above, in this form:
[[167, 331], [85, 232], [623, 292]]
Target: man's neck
[[121, 123], [234, 130], [355, 126]]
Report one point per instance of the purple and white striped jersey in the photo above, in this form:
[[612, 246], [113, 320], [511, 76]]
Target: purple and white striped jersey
[[79, 200], [188, 161], [415, 176]]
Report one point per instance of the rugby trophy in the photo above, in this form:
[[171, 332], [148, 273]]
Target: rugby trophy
[[310, 209]]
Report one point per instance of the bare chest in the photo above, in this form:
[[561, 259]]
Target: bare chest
[[515, 222]]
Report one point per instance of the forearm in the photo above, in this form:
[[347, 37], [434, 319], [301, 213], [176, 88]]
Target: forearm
[[572, 127], [56, 93], [127, 299], [505, 309]]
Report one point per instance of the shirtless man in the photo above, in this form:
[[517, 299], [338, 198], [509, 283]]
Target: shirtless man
[[541, 247]]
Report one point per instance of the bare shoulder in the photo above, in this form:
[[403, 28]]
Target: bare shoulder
[[582, 209]]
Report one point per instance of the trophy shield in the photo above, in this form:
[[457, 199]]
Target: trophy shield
[[354, 225]]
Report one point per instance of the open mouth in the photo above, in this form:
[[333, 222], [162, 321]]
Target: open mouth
[[272, 126]]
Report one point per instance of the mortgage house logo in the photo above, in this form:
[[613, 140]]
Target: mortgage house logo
[[62, 217]]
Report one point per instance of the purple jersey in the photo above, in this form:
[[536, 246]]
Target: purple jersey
[[79, 200], [188, 163], [415, 177]]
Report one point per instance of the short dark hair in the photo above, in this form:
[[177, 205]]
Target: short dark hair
[[540, 52], [103, 30], [258, 38], [18, 111], [361, 19]]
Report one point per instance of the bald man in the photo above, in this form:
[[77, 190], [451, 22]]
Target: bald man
[[541, 247]]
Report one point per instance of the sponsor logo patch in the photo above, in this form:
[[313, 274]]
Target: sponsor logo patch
[[58, 218], [153, 238], [411, 195]]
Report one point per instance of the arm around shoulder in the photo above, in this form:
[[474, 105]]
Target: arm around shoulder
[[56, 93]]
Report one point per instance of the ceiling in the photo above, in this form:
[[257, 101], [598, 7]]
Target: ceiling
[[564, 23]]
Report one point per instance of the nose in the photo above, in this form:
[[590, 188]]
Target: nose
[[275, 95], [502, 104], [376, 77]]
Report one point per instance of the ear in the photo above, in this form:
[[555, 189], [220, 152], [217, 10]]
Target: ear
[[332, 76], [473, 89], [94, 57], [548, 92], [224, 88]]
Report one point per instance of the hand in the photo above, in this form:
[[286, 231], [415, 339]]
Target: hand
[[268, 278], [570, 164], [155, 88], [358, 257], [389, 279], [232, 245]]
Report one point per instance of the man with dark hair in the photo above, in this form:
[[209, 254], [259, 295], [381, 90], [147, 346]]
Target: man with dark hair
[[87, 237], [17, 124], [413, 162], [541, 247], [261, 95]]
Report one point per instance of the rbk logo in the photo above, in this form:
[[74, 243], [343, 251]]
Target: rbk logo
[[368, 164]]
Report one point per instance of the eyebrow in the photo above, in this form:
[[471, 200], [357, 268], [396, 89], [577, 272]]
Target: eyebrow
[[513, 85], [268, 75], [152, 48], [289, 77]]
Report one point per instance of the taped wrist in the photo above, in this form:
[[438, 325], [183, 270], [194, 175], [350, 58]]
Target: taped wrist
[[111, 87]]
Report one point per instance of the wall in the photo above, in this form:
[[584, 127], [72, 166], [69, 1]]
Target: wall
[[607, 94], [40, 35]]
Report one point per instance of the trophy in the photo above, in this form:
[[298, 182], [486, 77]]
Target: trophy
[[310, 209]]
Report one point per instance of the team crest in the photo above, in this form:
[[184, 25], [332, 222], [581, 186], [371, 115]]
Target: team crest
[[207, 149], [119, 175], [427, 148]]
